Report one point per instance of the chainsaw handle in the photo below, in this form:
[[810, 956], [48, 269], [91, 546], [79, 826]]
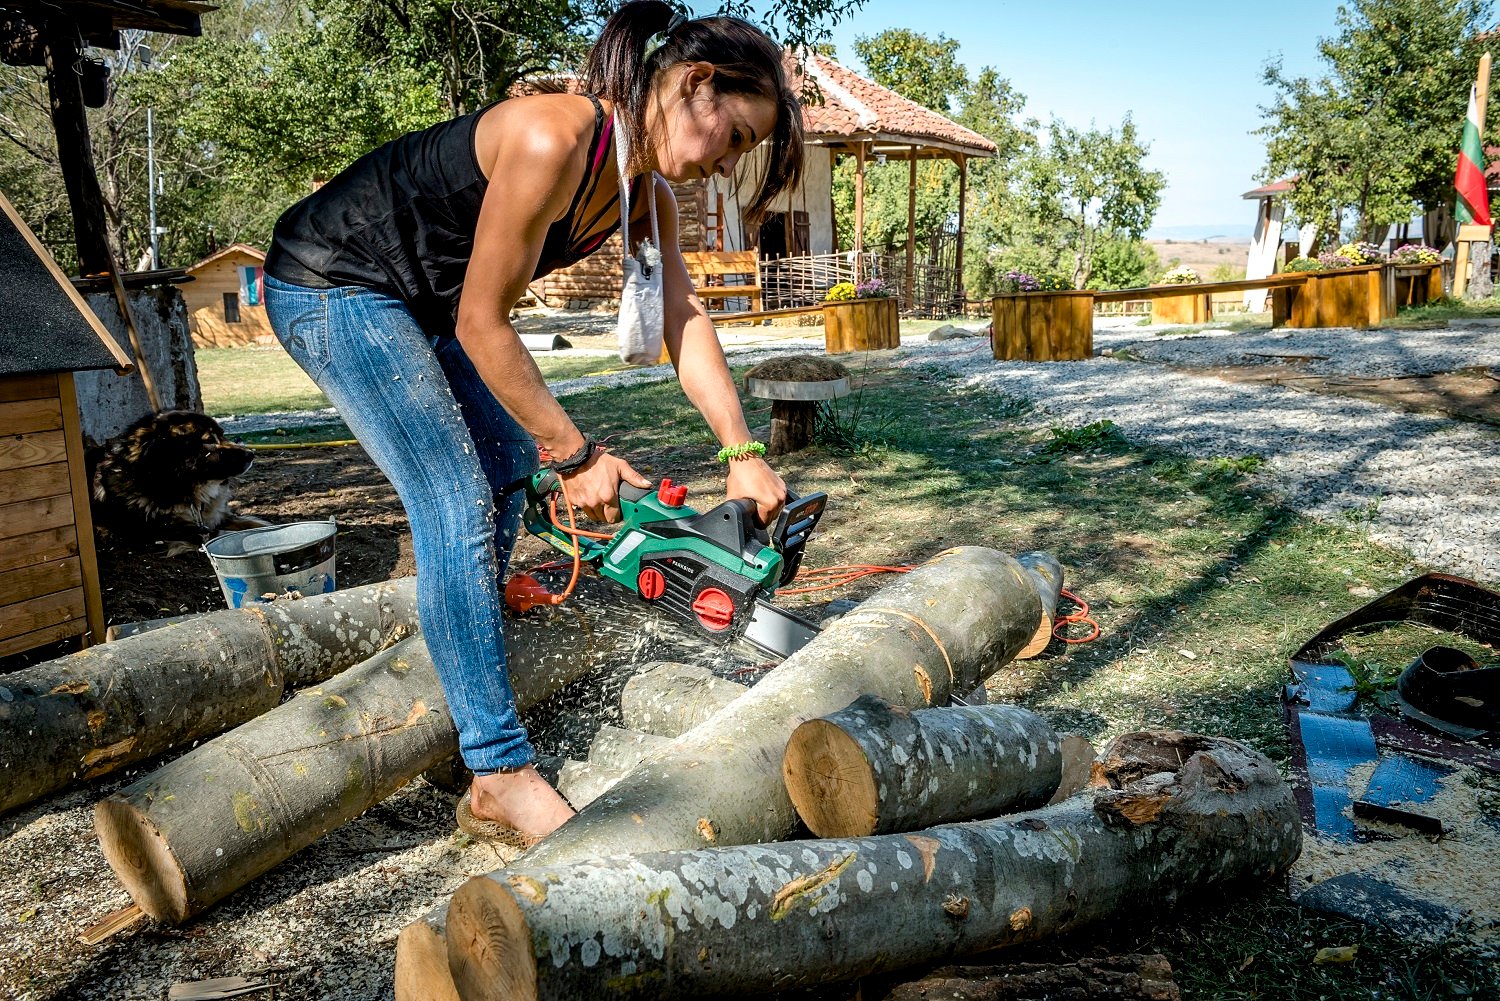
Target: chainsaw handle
[[633, 493]]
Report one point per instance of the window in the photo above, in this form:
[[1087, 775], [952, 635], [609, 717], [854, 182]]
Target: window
[[231, 307]]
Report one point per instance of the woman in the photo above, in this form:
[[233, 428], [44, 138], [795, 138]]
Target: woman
[[392, 286]]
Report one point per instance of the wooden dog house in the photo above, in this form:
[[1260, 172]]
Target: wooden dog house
[[49, 579]]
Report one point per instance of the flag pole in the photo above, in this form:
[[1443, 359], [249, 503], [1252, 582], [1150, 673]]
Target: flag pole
[[1474, 238]]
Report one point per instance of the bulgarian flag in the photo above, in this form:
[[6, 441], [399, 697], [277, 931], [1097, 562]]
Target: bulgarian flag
[[1473, 195]]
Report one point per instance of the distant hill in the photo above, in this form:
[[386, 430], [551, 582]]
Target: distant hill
[[1203, 256], [1236, 232]]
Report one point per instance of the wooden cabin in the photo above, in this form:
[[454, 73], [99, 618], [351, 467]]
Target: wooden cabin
[[226, 301], [49, 579]]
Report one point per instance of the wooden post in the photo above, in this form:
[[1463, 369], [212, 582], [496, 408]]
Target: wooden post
[[63, 61], [911, 228], [958, 255], [859, 203]]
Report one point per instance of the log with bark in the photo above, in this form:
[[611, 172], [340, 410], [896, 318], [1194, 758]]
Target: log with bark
[[202, 826], [942, 628], [90, 713], [1047, 574], [1172, 814], [668, 699], [874, 768], [614, 747]]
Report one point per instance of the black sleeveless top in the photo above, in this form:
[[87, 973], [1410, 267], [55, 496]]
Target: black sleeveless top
[[401, 220]]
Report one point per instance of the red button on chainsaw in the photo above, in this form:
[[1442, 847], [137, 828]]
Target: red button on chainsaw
[[669, 495], [651, 583], [714, 608]]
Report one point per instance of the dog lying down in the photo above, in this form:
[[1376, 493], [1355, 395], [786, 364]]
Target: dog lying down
[[168, 478]]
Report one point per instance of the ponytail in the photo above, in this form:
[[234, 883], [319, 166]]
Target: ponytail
[[624, 67]]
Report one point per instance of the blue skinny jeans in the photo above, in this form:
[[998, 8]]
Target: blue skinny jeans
[[450, 449]]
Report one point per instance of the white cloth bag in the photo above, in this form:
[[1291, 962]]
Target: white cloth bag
[[641, 319]]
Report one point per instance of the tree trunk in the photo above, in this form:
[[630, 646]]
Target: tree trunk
[[939, 629], [1047, 574], [623, 749], [944, 627], [669, 699], [87, 714], [791, 426], [874, 769], [582, 782], [199, 828], [1173, 814], [1125, 978]]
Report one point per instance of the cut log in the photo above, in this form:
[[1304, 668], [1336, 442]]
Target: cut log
[[939, 629], [617, 748], [199, 828], [944, 627], [873, 768], [1175, 814], [90, 713], [1047, 573], [582, 782], [1123, 978], [669, 699]]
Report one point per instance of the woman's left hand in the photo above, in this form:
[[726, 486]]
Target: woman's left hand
[[751, 477]]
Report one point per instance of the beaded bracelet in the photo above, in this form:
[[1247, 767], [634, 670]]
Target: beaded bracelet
[[741, 451]]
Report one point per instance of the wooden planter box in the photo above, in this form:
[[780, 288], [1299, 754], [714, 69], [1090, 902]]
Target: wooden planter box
[[1347, 297], [1417, 284], [1043, 326], [862, 325], [1185, 308]]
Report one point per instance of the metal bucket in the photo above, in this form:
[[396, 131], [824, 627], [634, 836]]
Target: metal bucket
[[274, 561]]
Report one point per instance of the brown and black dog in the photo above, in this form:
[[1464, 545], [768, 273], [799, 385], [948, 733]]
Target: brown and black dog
[[168, 478]]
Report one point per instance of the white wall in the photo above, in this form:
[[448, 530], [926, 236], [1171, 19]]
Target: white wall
[[813, 196]]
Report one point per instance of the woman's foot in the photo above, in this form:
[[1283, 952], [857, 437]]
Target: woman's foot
[[516, 799]]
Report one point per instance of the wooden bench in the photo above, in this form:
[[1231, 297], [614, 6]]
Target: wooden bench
[[711, 270]]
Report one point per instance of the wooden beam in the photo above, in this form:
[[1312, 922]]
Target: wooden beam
[[859, 200], [1201, 288], [64, 71], [93, 602], [911, 227], [963, 192]]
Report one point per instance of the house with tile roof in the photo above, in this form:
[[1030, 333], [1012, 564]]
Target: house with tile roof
[[850, 116]]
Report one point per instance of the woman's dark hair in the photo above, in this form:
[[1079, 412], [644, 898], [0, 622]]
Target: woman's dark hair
[[745, 61]]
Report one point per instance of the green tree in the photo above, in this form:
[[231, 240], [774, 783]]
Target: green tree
[[1375, 137], [921, 69], [1093, 185]]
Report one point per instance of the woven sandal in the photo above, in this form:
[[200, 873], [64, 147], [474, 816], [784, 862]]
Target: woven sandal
[[489, 830]]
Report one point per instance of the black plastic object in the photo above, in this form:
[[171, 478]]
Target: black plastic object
[[1448, 691]]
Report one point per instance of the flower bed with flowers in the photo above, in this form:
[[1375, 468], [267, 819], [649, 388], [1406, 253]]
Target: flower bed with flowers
[[1021, 281], [870, 288], [1416, 253]]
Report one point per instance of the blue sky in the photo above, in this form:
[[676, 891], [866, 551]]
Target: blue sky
[[1189, 72]]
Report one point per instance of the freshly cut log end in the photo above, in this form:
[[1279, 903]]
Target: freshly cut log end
[[142, 860], [1047, 574], [874, 768], [489, 946], [422, 965], [830, 781]]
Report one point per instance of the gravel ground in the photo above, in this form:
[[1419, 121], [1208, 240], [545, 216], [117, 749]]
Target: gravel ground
[[1376, 354]]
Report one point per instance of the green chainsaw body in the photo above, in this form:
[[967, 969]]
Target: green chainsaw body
[[707, 568]]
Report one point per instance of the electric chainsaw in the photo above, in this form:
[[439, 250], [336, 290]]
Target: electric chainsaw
[[714, 570]]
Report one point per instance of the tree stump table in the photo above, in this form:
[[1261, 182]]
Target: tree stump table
[[795, 385]]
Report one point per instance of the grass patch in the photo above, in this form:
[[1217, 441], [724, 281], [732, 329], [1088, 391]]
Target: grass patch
[[264, 379], [1441, 312], [254, 380], [1202, 586]]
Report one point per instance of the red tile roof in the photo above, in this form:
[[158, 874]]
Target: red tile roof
[[1280, 187], [855, 107]]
